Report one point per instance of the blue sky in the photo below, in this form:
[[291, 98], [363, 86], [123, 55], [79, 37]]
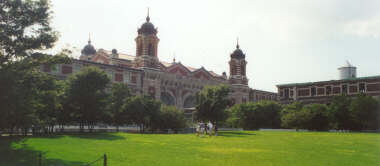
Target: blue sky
[[285, 41]]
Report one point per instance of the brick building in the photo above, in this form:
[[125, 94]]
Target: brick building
[[256, 95], [324, 91], [172, 83]]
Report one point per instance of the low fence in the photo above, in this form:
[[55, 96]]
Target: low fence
[[101, 160]]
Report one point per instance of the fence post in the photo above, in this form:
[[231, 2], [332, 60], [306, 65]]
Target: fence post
[[105, 160], [40, 159]]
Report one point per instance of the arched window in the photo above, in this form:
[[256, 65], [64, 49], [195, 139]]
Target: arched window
[[189, 102], [167, 99]]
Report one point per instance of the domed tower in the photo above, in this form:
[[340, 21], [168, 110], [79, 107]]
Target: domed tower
[[238, 67], [88, 51], [146, 46], [238, 80]]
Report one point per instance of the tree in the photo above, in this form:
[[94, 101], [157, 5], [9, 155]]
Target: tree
[[24, 28], [119, 95], [24, 32], [170, 118], [340, 116], [315, 117], [291, 116], [211, 104], [365, 112], [50, 95], [142, 111], [264, 114], [87, 96], [311, 117]]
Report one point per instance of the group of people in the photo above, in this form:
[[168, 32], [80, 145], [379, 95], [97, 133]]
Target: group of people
[[203, 128]]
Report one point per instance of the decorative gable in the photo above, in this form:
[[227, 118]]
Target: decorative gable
[[101, 59], [178, 69], [202, 74]]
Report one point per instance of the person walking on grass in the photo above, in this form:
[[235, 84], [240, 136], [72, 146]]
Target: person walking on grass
[[198, 128], [210, 128], [202, 127]]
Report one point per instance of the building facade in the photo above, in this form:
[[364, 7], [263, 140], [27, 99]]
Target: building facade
[[172, 83], [324, 91], [256, 95]]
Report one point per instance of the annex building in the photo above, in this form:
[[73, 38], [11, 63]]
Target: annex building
[[324, 91], [171, 82]]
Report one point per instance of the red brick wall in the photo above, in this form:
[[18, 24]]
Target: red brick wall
[[67, 69], [373, 87]]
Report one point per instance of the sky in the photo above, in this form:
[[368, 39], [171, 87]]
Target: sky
[[285, 41]]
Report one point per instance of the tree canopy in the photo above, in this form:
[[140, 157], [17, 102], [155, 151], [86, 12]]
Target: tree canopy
[[211, 103]]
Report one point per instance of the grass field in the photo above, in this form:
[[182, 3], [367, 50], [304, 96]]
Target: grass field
[[259, 148]]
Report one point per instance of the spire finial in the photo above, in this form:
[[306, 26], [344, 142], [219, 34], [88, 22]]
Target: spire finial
[[89, 38], [237, 43], [173, 57], [147, 17]]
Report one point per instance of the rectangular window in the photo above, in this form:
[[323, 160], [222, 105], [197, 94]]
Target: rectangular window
[[286, 93], [127, 76], [67, 69], [313, 91], [110, 75], [118, 77], [46, 68], [76, 68], [134, 79], [362, 87]]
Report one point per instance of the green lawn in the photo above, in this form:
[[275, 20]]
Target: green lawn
[[260, 148]]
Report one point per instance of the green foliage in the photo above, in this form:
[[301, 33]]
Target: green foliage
[[340, 116], [142, 110], [170, 118], [290, 117], [119, 95], [315, 117], [211, 104], [365, 112], [24, 28], [87, 97], [255, 115], [28, 97], [311, 117]]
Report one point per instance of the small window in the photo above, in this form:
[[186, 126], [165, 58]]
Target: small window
[[286, 93], [110, 75], [127, 77], [362, 87], [313, 91]]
